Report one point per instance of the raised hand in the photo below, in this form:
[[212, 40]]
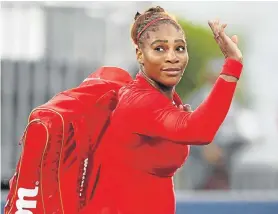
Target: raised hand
[[227, 45]]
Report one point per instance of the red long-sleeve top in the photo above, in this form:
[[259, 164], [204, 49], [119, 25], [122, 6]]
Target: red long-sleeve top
[[148, 140]]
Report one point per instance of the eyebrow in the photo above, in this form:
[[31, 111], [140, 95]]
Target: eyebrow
[[159, 40], [166, 41], [180, 40]]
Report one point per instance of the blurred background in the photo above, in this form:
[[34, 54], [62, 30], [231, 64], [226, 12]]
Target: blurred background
[[47, 47]]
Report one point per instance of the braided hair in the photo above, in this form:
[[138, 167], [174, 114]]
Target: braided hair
[[149, 21]]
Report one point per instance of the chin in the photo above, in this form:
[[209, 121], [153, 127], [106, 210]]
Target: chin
[[171, 81]]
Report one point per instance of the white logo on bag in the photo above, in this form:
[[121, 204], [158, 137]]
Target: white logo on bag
[[22, 204]]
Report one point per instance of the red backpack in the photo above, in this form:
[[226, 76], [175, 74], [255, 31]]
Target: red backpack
[[58, 146]]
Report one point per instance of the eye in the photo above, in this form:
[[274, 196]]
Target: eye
[[180, 49], [159, 49]]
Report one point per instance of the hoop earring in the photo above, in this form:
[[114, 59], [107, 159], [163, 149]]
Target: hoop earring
[[141, 65]]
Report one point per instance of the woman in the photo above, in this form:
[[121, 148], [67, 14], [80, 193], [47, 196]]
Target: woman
[[150, 132]]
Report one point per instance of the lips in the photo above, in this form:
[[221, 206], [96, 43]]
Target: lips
[[172, 71]]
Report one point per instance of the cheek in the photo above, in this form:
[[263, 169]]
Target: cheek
[[152, 64], [153, 59], [185, 59]]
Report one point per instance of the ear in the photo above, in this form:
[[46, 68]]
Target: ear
[[139, 55]]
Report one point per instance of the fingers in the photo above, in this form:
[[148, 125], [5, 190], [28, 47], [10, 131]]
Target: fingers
[[223, 26], [181, 107], [222, 33], [213, 28], [214, 25], [187, 107], [218, 30], [228, 45], [224, 39], [217, 27]]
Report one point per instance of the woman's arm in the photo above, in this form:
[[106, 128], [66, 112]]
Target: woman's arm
[[156, 117]]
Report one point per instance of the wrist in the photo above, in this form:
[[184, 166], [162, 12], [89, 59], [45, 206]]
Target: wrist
[[228, 78], [232, 67], [236, 59]]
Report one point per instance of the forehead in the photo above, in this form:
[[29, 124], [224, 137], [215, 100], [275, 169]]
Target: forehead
[[164, 31]]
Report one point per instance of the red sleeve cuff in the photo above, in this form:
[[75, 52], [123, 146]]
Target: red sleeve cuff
[[232, 67]]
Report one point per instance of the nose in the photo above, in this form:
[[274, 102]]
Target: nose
[[172, 57]]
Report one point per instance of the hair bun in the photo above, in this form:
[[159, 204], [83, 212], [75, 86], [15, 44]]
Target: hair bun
[[137, 15], [157, 9]]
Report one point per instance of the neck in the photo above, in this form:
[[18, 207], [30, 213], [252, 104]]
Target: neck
[[167, 91]]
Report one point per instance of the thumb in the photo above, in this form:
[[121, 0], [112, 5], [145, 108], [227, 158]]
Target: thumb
[[234, 39]]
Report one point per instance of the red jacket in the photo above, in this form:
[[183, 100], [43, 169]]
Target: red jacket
[[147, 141]]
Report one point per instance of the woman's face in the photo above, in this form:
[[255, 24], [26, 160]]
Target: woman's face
[[164, 54]]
